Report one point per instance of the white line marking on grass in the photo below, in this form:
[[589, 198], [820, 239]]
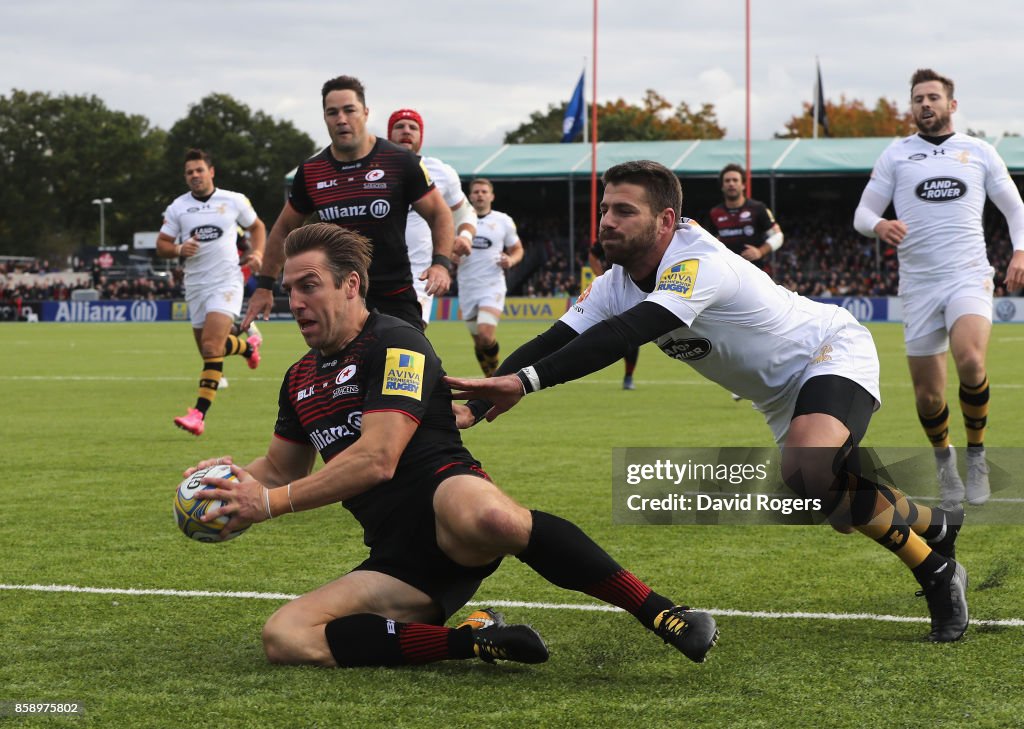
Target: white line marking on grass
[[587, 381], [757, 614], [118, 378]]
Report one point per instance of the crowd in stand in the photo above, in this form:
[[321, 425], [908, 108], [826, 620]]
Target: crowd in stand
[[822, 256]]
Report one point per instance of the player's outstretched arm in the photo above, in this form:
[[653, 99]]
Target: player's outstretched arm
[[501, 392]]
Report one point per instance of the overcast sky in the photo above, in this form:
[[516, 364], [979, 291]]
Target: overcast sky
[[477, 70]]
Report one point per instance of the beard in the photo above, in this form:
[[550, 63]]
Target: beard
[[933, 125], [624, 250]]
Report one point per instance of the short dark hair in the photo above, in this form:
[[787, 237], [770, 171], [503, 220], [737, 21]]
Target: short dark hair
[[346, 250], [195, 153], [662, 186], [926, 74], [343, 83], [732, 167]]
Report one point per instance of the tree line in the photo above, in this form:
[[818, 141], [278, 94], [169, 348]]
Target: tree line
[[58, 153]]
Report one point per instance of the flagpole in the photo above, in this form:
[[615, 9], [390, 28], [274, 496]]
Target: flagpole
[[586, 124], [749, 174], [593, 137]]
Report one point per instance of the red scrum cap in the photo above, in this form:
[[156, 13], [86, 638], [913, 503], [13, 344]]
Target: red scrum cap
[[405, 114]]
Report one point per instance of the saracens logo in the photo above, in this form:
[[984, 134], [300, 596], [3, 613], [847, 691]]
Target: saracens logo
[[380, 208], [374, 175], [941, 189], [346, 374], [687, 350], [206, 233]]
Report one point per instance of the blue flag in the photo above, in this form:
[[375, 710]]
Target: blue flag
[[572, 125]]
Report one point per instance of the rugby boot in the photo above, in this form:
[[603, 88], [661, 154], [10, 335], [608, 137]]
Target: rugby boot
[[519, 643], [690, 631], [254, 357], [951, 488], [947, 604], [482, 619], [978, 488], [192, 421]]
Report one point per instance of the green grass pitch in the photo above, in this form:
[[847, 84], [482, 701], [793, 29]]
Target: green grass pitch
[[90, 459]]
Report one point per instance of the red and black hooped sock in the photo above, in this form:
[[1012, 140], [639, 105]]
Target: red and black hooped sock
[[561, 553], [371, 640]]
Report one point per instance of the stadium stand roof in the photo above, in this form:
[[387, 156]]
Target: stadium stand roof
[[851, 156]]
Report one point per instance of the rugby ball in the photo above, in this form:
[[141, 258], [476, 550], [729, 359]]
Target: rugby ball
[[188, 508]]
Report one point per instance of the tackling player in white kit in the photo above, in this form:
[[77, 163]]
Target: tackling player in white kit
[[938, 180], [481, 275], [405, 127], [811, 368], [205, 220]]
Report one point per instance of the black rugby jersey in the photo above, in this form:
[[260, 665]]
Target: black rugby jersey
[[371, 196], [389, 366], [739, 227]]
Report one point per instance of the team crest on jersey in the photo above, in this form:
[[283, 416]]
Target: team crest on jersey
[[679, 279], [403, 373], [346, 374], [374, 175]]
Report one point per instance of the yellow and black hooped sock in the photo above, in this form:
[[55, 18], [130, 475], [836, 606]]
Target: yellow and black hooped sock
[[488, 358], [236, 345], [209, 381], [936, 426], [974, 405], [924, 520], [874, 515]]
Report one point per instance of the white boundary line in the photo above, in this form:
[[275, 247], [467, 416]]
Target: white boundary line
[[257, 378], [757, 614]]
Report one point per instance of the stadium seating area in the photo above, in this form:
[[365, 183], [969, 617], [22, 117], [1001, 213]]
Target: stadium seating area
[[821, 257]]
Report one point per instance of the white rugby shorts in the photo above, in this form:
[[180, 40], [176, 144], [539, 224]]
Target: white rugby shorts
[[930, 310], [474, 295], [224, 298], [849, 352]]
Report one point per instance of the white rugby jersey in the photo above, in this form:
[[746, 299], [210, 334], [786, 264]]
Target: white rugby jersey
[[417, 232], [939, 193], [495, 232], [742, 331], [214, 224]]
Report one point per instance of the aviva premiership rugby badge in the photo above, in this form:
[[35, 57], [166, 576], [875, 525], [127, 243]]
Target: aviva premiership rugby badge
[[403, 373], [679, 279]]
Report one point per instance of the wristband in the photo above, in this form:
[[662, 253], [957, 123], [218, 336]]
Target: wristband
[[531, 382], [266, 502], [266, 282], [466, 234], [290, 504], [442, 260]]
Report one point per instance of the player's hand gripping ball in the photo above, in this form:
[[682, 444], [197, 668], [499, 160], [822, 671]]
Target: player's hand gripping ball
[[188, 508]]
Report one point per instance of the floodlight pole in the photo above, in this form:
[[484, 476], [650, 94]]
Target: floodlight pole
[[102, 201]]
